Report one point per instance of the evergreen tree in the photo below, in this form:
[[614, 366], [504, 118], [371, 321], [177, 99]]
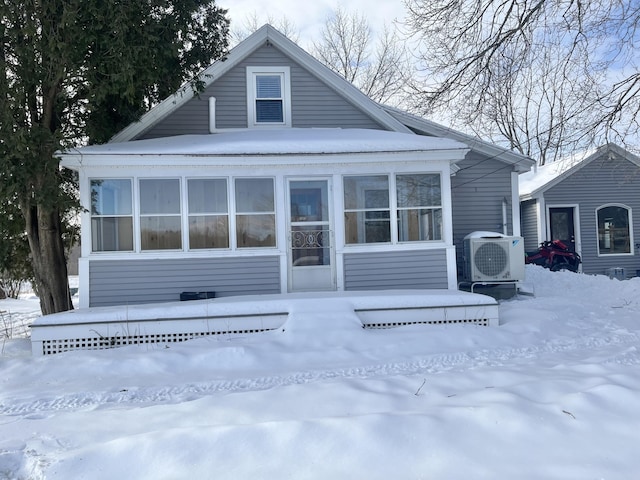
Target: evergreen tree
[[73, 71], [15, 267]]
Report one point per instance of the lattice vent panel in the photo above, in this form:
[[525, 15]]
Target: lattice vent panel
[[483, 322], [50, 347]]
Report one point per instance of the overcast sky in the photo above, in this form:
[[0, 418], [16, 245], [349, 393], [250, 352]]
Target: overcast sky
[[309, 16]]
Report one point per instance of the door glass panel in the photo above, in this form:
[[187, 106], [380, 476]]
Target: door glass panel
[[309, 223], [559, 226], [310, 245], [309, 202]]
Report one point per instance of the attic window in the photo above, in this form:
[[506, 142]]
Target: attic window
[[268, 96]]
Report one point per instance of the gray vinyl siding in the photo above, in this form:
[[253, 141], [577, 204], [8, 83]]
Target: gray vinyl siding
[[529, 227], [601, 182], [477, 192], [314, 104], [127, 282], [395, 270]]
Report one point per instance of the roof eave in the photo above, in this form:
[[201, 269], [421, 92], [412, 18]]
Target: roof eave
[[78, 161], [521, 162], [599, 153]]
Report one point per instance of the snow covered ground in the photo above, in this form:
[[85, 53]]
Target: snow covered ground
[[552, 393]]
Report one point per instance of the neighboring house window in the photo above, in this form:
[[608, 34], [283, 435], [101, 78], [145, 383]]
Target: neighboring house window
[[208, 213], [111, 215], [268, 96], [366, 209], [255, 212], [160, 215], [614, 234], [419, 207]]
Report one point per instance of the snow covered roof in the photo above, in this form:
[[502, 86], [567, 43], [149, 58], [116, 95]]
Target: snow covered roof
[[537, 178], [289, 141], [544, 177]]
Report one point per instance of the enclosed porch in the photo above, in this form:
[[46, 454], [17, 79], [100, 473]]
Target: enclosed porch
[[264, 212]]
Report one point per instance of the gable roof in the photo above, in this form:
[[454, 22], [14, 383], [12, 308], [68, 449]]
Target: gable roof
[[391, 118], [521, 163], [543, 178], [266, 34]]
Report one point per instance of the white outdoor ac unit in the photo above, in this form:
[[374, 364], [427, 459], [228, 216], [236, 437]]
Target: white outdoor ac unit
[[493, 258]]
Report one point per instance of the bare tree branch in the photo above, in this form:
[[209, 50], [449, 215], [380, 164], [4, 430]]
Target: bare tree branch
[[379, 68], [545, 76], [252, 23]]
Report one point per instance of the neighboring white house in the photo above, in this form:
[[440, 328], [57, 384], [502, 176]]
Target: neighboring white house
[[282, 177]]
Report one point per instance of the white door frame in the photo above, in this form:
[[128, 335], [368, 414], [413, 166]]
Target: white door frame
[[308, 275]]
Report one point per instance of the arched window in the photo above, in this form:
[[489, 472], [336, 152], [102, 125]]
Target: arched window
[[614, 234]]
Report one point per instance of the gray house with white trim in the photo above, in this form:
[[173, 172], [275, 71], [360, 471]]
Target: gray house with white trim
[[280, 176], [592, 204]]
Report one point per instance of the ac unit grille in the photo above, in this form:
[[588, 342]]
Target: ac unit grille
[[491, 259]]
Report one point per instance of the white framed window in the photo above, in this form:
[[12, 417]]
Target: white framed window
[[268, 97], [615, 237], [255, 212], [370, 210], [160, 214], [419, 207], [366, 209], [208, 212], [111, 215]]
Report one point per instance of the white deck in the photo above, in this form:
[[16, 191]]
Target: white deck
[[162, 323]]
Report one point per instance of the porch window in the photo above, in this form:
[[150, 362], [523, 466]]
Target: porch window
[[419, 207], [255, 212], [208, 213], [160, 215], [366, 209], [111, 215], [268, 96], [614, 234]]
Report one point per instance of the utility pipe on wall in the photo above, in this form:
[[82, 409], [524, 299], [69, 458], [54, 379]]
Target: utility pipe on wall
[[212, 114], [505, 223]]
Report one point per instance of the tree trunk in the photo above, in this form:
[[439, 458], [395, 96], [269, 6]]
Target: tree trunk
[[44, 231]]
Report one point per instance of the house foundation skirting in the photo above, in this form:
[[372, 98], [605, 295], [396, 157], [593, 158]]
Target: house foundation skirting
[[173, 322]]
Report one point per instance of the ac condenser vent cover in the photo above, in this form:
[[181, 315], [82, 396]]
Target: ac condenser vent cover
[[491, 259], [496, 258]]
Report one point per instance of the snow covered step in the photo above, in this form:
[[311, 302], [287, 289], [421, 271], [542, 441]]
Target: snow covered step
[[163, 323]]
